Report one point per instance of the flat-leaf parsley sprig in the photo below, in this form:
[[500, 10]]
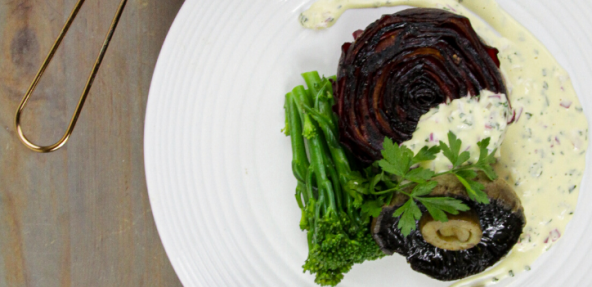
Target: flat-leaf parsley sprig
[[399, 176]]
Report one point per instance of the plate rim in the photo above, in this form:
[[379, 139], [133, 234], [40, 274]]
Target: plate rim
[[162, 63]]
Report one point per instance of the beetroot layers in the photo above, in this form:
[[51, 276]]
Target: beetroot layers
[[401, 66]]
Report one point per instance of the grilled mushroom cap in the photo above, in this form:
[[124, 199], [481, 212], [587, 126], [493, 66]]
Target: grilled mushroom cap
[[449, 251]]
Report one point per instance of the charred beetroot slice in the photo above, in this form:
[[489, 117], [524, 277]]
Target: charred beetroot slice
[[401, 66], [501, 223]]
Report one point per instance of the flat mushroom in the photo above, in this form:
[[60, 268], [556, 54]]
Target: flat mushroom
[[468, 243]]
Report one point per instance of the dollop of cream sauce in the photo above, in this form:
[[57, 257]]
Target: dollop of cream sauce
[[471, 119], [543, 154]]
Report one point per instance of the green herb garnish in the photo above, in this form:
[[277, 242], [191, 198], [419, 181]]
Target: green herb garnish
[[397, 163]]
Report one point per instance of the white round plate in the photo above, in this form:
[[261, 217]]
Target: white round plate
[[218, 167]]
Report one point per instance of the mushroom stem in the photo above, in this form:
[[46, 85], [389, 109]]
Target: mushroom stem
[[460, 232]]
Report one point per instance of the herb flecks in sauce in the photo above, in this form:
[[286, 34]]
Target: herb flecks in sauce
[[541, 92]]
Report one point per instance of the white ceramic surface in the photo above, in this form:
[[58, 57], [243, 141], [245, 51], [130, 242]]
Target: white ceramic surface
[[218, 168]]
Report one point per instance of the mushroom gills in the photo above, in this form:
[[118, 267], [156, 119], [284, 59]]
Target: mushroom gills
[[460, 232]]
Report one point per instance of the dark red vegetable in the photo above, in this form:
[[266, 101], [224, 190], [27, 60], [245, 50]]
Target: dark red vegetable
[[401, 66]]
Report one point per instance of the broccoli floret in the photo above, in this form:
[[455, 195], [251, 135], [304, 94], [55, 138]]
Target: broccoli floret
[[333, 252], [336, 250], [369, 250]]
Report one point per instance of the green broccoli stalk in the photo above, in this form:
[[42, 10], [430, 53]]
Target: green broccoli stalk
[[308, 128], [300, 161], [338, 236], [322, 113]]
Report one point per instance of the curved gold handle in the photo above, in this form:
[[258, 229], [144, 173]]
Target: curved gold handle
[[91, 78]]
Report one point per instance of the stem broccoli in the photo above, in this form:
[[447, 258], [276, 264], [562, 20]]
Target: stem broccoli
[[338, 236]]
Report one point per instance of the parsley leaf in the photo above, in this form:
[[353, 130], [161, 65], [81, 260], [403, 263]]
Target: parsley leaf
[[486, 159], [466, 173], [390, 150], [474, 189], [402, 208], [409, 213], [426, 154], [390, 168], [396, 160], [452, 150], [372, 208], [487, 169], [424, 188], [419, 175], [483, 144], [439, 206], [462, 158]]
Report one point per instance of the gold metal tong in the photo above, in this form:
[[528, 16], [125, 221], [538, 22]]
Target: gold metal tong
[[89, 82]]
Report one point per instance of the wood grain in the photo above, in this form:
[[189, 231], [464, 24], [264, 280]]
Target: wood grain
[[79, 216]]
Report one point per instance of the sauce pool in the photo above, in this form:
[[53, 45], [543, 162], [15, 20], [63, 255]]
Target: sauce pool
[[543, 153]]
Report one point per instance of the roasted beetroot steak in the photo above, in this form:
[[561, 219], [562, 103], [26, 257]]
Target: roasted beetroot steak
[[401, 66]]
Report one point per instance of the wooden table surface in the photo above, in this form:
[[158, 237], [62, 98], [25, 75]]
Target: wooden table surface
[[79, 216]]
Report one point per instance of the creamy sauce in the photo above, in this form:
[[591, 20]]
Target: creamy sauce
[[543, 154], [470, 119]]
